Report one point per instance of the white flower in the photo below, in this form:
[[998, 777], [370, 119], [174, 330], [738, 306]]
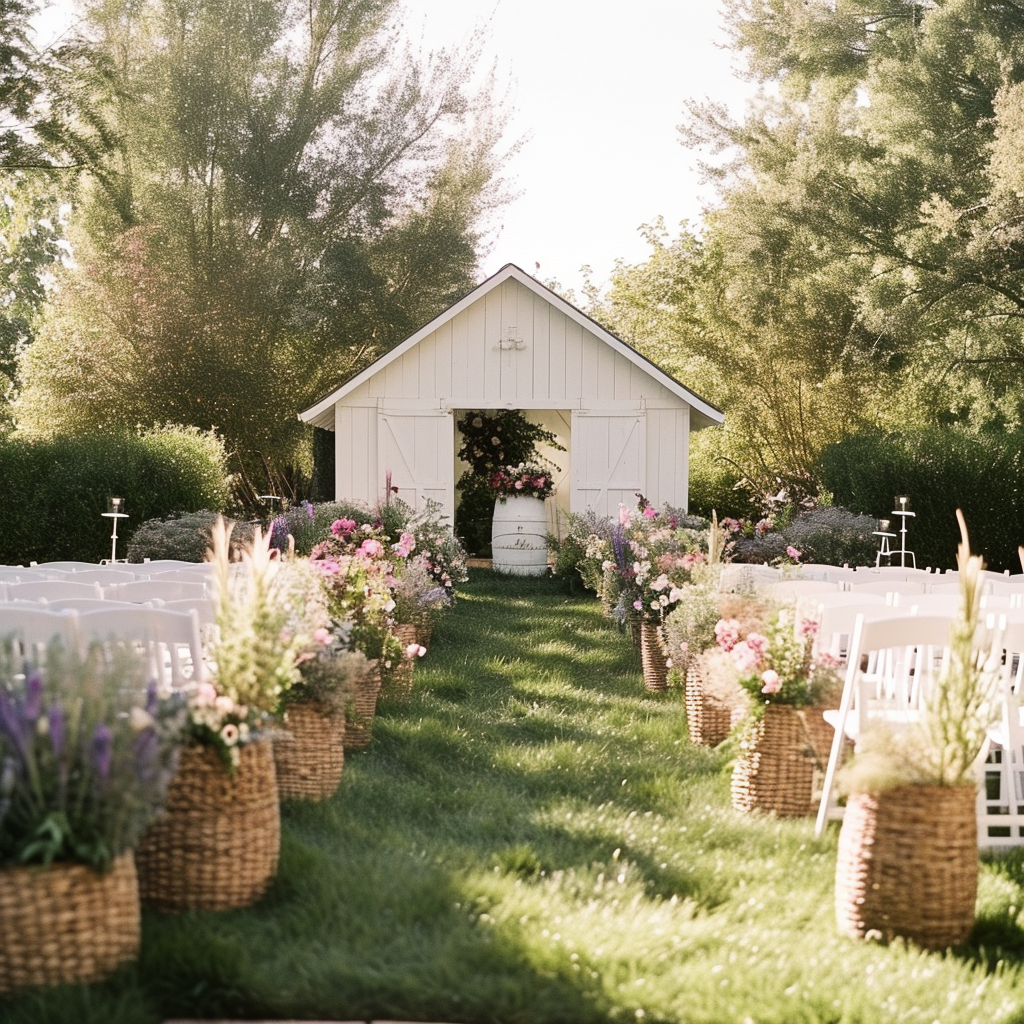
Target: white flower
[[140, 719], [229, 734]]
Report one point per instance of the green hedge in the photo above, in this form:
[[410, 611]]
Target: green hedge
[[55, 489], [713, 480], [941, 470]]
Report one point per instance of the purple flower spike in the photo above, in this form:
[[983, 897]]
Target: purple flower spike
[[9, 720], [102, 750], [56, 716], [152, 700], [33, 696]]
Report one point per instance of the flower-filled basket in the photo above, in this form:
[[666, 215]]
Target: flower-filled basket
[[87, 750]]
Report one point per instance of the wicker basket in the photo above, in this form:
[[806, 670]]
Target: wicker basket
[[310, 756], [359, 724], [708, 720], [396, 682], [216, 846], [653, 658], [773, 772], [424, 632], [908, 865], [67, 924]]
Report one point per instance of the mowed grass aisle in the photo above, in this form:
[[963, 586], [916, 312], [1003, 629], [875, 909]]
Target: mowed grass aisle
[[532, 838]]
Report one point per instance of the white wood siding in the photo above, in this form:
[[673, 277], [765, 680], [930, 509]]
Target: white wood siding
[[608, 460], [355, 453], [668, 469], [559, 366]]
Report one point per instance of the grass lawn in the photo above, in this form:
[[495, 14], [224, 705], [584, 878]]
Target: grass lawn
[[532, 838]]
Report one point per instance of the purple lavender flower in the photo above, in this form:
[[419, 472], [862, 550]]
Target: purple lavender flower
[[147, 744], [152, 700], [56, 717], [279, 533], [309, 509], [102, 750], [33, 696], [12, 722], [619, 546]]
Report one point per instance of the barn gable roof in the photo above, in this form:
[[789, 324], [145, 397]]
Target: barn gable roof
[[705, 414]]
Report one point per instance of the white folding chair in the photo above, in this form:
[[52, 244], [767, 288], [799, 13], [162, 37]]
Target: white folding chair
[[887, 586], [741, 576], [159, 564], [837, 620], [104, 577], [150, 590], [928, 604], [197, 574], [786, 590], [165, 636], [69, 566], [52, 590], [888, 676], [1001, 767], [32, 629], [90, 604], [11, 575]]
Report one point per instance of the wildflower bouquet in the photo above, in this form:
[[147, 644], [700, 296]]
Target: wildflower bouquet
[[443, 556], [86, 752], [777, 666], [652, 558], [527, 480]]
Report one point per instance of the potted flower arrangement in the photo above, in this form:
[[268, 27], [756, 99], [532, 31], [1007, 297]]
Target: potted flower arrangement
[[356, 569], [217, 845], [419, 600], [652, 559], [781, 675], [907, 862], [520, 526], [87, 750]]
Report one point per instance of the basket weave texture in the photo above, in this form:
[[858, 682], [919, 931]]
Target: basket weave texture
[[908, 865], [310, 757], [67, 924], [708, 720], [774, 773], [359, 726], [396, 682], [424, 632], [216, 845], [653, 658]]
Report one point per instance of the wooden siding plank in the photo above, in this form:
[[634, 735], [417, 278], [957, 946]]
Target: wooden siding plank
[[411, 373], [573, 361], [556, 357], [589, 358], [485, 336], [541, 324], [443, 361], [526, 358], [622, 372], [467, 371], [605, 370]]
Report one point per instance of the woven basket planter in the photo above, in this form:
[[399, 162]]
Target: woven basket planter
[[310, 756], [652, 656], [707, 720], [66, 924], [217, 843], [359, 723], [774, 772], [396, 682], [424, 632], [908, 865]]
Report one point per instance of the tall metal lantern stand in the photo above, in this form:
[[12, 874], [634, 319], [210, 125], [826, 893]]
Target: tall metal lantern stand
[[903, 511], [885, 536], [116, 511]]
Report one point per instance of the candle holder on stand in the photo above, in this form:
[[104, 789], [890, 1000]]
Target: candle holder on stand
[[903, 511], [114, 511], [885, 535]]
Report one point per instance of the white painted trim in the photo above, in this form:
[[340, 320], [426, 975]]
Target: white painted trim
[[318, 414]]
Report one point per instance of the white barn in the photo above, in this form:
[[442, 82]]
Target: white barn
[[512, 343]]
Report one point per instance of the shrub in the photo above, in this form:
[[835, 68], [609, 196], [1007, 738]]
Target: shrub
[[186, 537], [714, 480], [941, 469], [834, 536], [56, 488]]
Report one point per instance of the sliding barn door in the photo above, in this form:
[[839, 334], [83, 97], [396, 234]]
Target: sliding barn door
[[419, 450]]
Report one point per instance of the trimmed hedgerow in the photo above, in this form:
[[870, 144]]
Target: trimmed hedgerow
[[186, 537], [55, 489], [941, 470]]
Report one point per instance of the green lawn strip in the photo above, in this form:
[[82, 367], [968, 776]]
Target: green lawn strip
[[532, 838]]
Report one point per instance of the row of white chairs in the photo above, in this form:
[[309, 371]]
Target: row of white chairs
[[170, 638], [135, 591]]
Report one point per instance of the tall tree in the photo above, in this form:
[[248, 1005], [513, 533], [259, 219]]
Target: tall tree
[[293, 193]]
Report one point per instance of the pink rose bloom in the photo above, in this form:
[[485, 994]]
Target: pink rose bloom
[[342, 526], [745, 658], [727, 632], [807, 627], [205, 693], [540, 481], [519, 485], [412, 650], [650, 512], [793, 552], [762, 526], [757, 642], [322, 635], [638, 605], [771, 680], [327, 566], [371, 548]]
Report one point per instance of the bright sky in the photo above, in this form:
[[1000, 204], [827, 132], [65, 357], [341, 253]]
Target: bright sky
[[598, 86]]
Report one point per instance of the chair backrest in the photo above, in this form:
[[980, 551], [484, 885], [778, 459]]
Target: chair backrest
[[891, 585], [159, 564], [196, 574], [801, 588], [89, 604], [9, 575], [68, 566], [743, 576], [203, 607], [149, 590], [836, 621], [928, 604], [171, 639], [104, 576], [52, 590], [33, 628], [953, 587], [888, 673]]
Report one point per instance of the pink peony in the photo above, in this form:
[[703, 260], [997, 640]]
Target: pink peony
[[793, 553], [727, 632], [650, 512], [745, 657], [342, 526], [371, 548], [771, 680], [519, 485], [328, 566], [757, 642]]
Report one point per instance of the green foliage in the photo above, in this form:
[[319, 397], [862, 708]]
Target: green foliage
[[291, 195], [185, 536], [715, 481], [941, 469], [57, 488], [833, 536]]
